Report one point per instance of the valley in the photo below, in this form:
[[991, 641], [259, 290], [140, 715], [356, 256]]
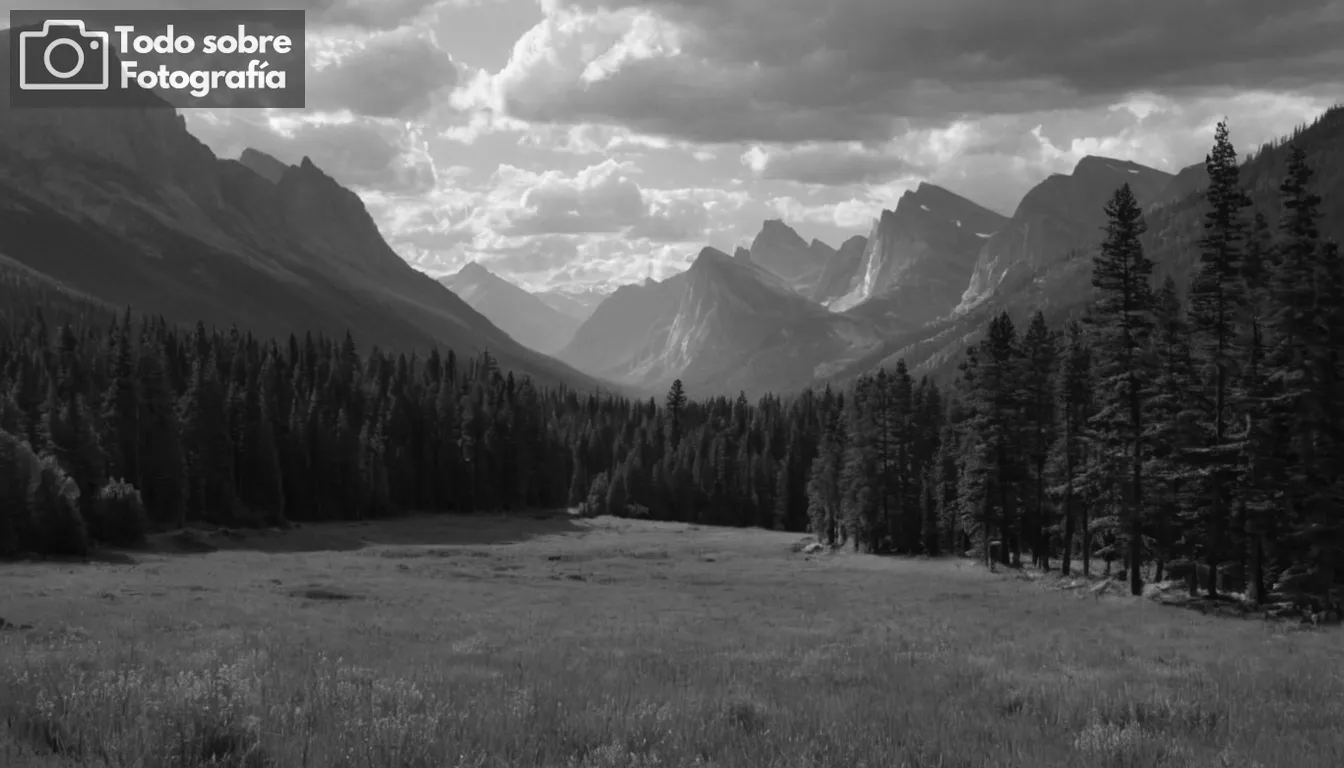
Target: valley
[[643, 384]]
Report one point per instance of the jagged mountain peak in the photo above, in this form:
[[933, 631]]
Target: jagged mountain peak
[[710, 257], [932, 199], [475, 270], [921, 253], [1101, 163], [266, 166], [777, 227], [742, 254], [781, 250]]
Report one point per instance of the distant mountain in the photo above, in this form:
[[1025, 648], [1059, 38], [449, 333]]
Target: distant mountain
[[919, 258], [841, 271], [577, 303], [615, 336], [723, 326], [528, 319], [1057, 218], [742, 254], [782, 251], [125, 205]]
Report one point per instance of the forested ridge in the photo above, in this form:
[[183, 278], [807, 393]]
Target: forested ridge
[[1166, 432]]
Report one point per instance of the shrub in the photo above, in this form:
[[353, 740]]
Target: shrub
[[19, 473], [597, 497], [55, 506], [124, 520]]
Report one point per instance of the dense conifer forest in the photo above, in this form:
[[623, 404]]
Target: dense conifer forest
[[1164, 433]]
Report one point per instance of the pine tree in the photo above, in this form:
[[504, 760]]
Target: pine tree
[[163, 472], [993, 475], [1037, 381], [209, 454], [676, 405], [1171, 429], [824, 493], [120, 434], [1263, 446], [1217, 306], [1121, 324], [1074, 398], [1303, 371]]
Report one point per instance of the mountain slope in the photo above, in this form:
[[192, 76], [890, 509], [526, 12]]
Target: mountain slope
[[1190, 180], [1058, 216], [610, 343], [919, 258], [722, 326], [841, 271], [526, 318], [127, 206]]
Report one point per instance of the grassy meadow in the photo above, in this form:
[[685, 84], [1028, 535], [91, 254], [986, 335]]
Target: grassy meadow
[[521, 641]]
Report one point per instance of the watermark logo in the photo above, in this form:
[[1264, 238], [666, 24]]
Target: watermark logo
[[103, 58]]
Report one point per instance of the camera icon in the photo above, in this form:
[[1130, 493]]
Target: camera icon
[[64, 56]]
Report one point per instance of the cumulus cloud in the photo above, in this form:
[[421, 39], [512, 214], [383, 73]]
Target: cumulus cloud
[[395, 73], [600, 199], [829, 164], [782, 70], [593, 226], [822, 114], [853, 214]]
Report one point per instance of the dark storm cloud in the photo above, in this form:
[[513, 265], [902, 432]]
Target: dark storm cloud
[[792, 70], [367, 14], [831, 165]]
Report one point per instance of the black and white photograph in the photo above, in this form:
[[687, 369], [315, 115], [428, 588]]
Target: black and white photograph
[[671, 384]]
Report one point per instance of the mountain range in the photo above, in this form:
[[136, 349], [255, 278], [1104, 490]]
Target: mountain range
[[1061, 287], [787, 313], [920, 286], [127, 207], [723, 325]]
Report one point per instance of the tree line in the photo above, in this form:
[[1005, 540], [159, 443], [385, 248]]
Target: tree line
[[1192, 433]]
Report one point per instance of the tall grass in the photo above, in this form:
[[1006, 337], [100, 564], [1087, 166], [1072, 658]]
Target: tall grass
[[857, 663]]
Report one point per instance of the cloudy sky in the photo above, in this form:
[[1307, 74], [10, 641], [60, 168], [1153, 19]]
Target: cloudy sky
[[604, 141]]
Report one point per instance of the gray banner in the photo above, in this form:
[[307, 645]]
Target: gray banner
[[105, 58]]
